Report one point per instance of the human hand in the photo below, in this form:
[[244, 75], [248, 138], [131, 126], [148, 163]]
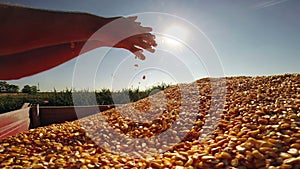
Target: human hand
[[128, 34]]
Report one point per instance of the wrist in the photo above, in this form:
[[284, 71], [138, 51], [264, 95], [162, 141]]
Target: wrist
[[96, 22]]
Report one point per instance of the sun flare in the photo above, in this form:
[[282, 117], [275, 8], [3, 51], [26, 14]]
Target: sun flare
[[175, 35]]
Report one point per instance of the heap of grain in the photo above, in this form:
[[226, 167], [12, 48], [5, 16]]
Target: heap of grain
[[257, 126]]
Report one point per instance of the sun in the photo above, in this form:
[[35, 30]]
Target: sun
[[175, 35]]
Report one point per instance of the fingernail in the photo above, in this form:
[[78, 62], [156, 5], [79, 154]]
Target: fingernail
[[132, 17], [152, 50], [148, 29]]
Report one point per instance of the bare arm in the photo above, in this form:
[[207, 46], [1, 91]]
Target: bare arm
[[34, 40], [15, 66], [26, 28]]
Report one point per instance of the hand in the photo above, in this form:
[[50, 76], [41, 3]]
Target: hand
[[128, 34]]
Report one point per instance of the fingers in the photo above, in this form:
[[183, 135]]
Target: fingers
[[140, 55], [142, 29], [132, 18], [138, 52], [140, 41], [144, 45], [152, 50], [148, 38], [146, 41], [143, 41], [146, 29]]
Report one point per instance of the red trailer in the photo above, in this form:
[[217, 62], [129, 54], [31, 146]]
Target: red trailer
[[14, 122]]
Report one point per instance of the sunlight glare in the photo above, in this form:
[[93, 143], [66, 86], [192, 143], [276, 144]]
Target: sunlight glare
[[175, 35]]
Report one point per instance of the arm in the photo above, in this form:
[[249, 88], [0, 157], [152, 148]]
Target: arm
[[24, 29], [15, 66], [34, 40]]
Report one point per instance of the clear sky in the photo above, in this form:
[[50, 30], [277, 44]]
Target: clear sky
[[196, 39]]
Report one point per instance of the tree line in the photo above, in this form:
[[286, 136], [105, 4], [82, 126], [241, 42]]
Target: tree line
[[11, 88], [67, 97]]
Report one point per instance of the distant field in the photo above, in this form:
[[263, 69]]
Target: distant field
[[13, 101], [13, 94]]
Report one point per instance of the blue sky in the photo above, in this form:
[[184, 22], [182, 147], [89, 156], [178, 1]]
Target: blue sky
[[231, 38]]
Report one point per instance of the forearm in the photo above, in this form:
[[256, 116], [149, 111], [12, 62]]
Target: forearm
[[23, 64], [25, 28], [34, 40]]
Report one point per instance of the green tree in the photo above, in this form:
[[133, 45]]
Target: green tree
[[29, 89], [33, 90], [3, 86], [12, 89], [8, 88], [26, 89]]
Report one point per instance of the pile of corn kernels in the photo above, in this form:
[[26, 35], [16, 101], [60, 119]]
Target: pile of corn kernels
[[234, 122]]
